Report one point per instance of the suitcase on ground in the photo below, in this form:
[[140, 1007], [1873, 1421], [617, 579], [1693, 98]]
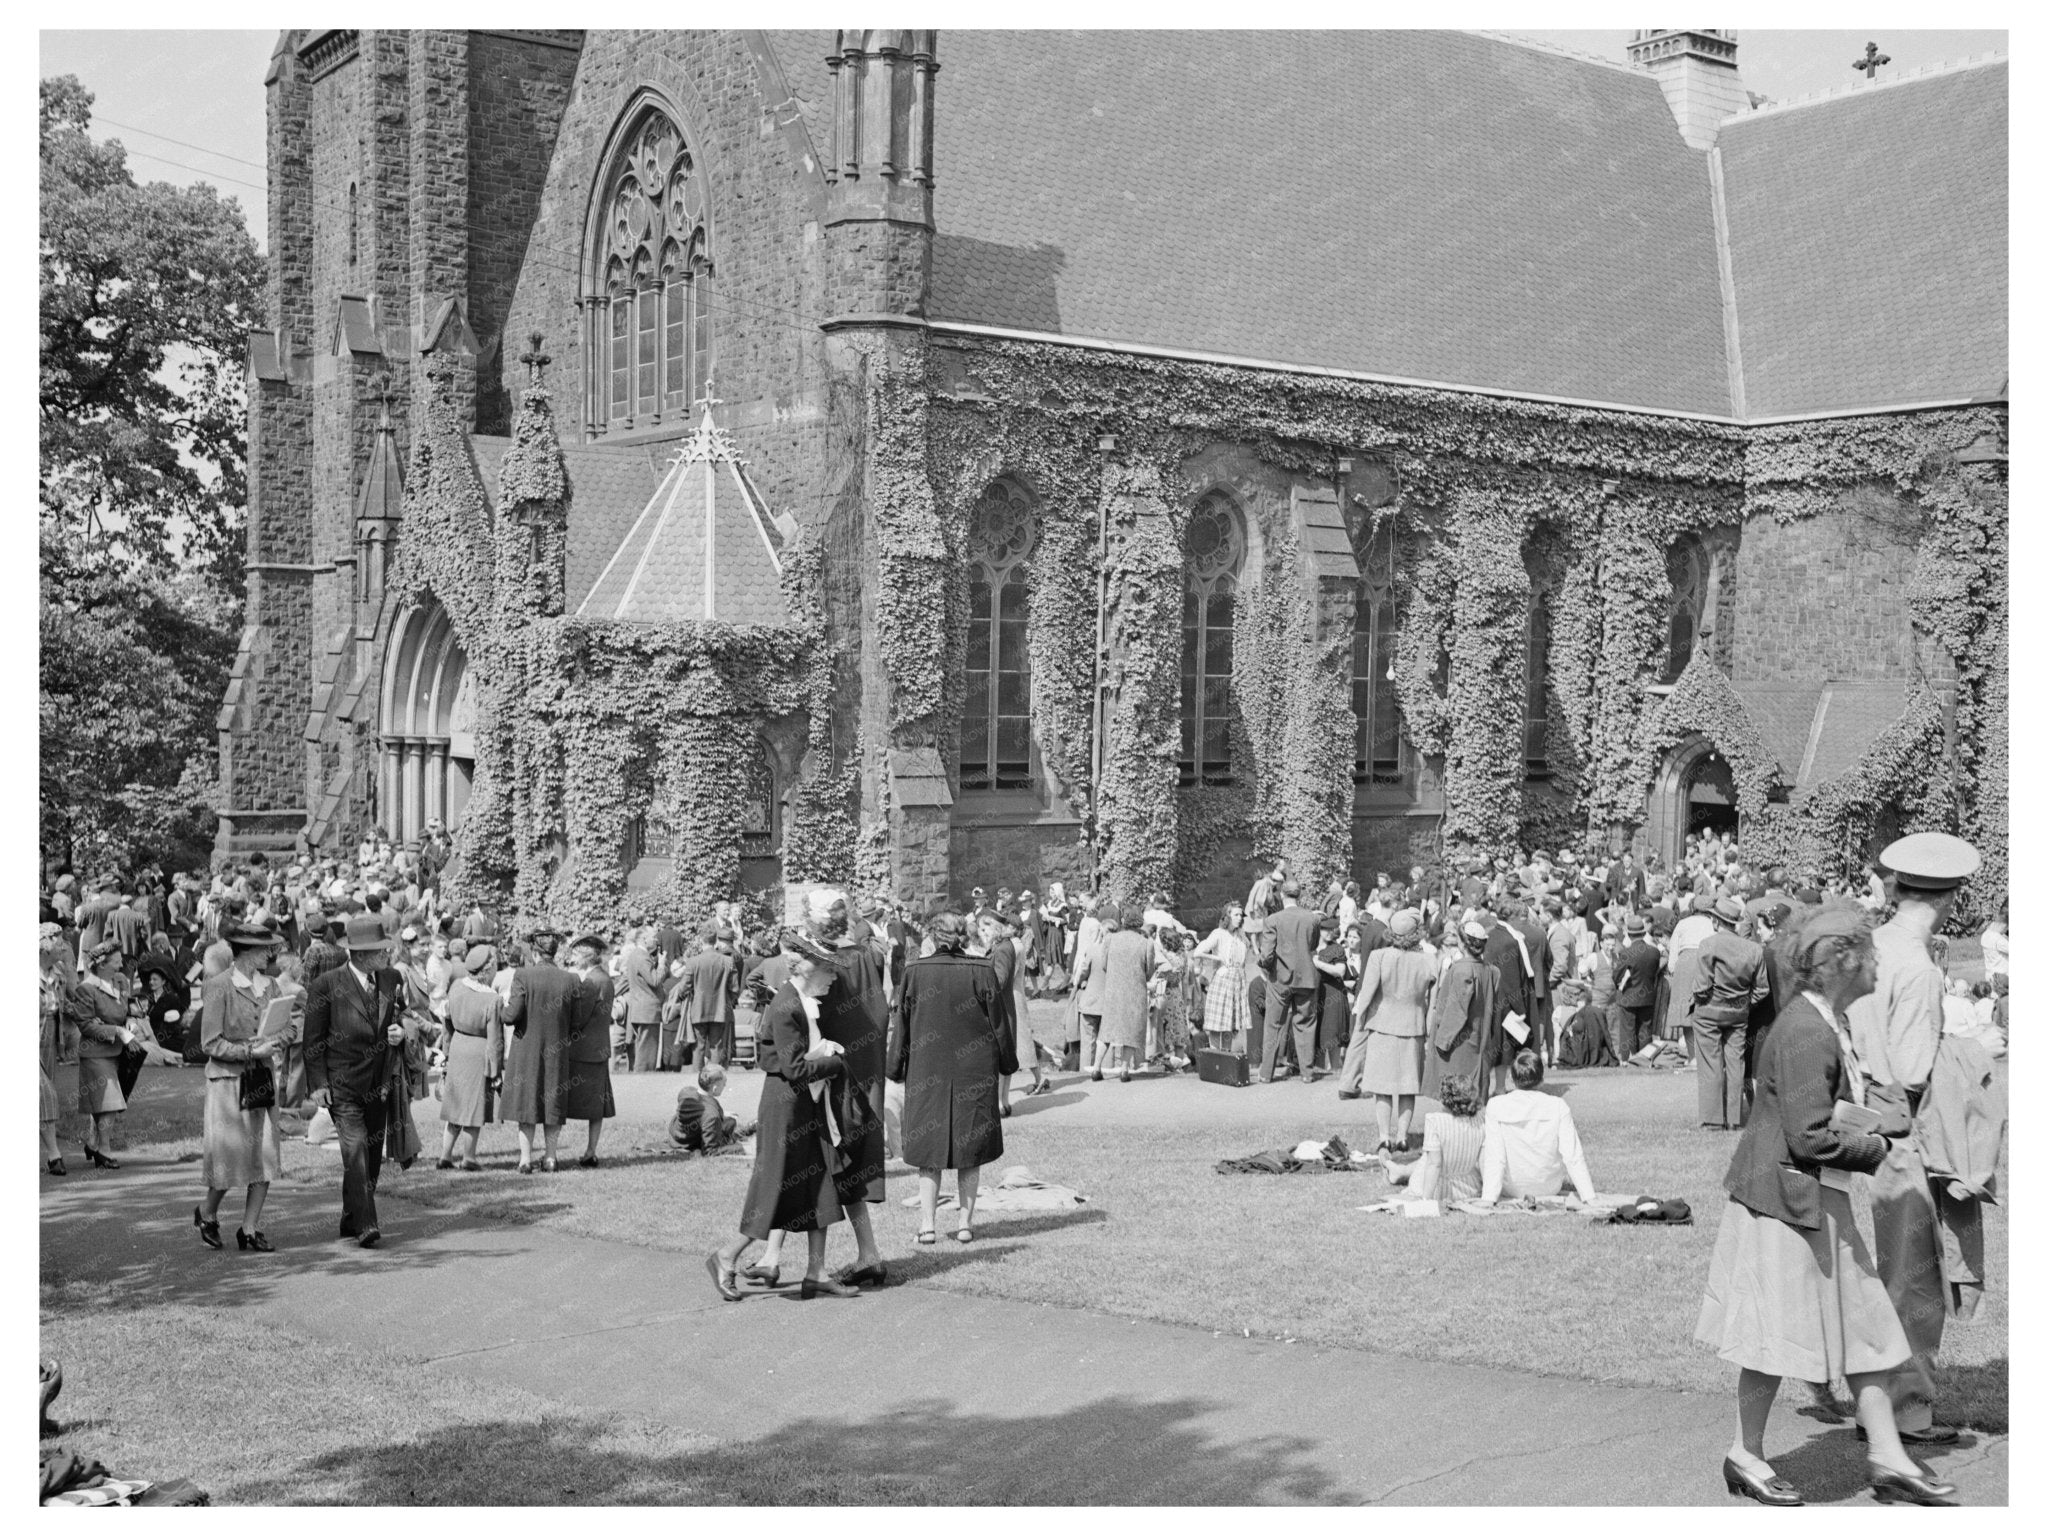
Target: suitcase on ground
[[1225, 1067]]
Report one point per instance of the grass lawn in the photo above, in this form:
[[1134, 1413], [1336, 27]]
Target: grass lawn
[[1164, 1237], [289, 1421]]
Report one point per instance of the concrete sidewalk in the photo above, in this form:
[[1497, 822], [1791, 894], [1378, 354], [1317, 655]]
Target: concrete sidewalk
[[1002, 1401]]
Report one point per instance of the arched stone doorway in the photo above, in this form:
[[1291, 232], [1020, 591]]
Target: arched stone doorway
[[1694, 791], [425, 725]]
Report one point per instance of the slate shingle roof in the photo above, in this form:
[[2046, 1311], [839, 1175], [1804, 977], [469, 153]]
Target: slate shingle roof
[[1465, 210], [1868, 238], [702, 547], [1425, 205], [1848, 716], [608, 488]]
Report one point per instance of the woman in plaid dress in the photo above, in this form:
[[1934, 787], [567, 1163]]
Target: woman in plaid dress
[[1225, 1018]]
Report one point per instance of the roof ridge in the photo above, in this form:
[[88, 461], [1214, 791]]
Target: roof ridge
[[1538, 45], [1857, 89]]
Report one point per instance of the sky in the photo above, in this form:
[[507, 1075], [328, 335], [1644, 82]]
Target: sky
[[189, 105]]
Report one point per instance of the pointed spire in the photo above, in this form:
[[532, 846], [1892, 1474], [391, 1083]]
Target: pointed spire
[[383, 492], [531, 486]]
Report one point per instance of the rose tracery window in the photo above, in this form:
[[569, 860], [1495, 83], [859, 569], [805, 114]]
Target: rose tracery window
[[995, 727], [1214, 555], [648, 305]]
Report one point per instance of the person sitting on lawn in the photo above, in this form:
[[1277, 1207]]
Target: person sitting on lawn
[[1453, 1140], [1532, 1144], [700, 1123]]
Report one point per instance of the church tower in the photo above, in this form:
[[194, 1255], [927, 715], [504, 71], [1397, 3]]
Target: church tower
[[1696, 67]]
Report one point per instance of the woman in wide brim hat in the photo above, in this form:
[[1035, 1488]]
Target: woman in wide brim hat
[[240, 1147]]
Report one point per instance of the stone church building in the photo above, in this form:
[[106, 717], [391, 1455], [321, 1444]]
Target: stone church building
[[684, 462]]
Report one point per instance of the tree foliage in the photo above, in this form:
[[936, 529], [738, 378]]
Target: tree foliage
[[146, 293]]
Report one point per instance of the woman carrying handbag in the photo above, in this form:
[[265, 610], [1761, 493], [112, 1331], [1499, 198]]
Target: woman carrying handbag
[[241, 1144]]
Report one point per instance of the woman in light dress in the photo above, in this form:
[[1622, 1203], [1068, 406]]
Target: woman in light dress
[[1225, 1016], [241, 1147]]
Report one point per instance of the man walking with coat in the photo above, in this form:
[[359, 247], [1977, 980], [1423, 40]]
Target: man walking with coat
[[354, 1020]]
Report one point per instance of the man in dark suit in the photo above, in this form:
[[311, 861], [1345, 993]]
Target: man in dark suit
[[1504, 954], [1528, 923], [1638, 967], [1291, 996], [354, 1019], [1625, 882]]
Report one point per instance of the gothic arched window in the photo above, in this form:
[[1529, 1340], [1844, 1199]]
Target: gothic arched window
[[995, 727], [1375, 637], [1214, 566], [648, 303], [1686, 564]]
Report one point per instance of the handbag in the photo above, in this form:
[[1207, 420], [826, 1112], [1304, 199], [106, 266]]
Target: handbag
[[259, 1088]]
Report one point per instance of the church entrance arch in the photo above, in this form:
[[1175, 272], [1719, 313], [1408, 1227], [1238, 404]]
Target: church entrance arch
[[1694, 792], [425, 725]]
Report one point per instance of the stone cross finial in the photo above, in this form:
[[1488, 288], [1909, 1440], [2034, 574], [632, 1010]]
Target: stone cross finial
[[1871, 61], [534, 358]]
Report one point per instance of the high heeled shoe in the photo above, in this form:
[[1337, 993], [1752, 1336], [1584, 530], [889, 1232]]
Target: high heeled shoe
[[1917, 1487], [209, 1231], [252, 1242], [1774, 1491], [56, 1166], [722, 1278], [99, 1159]]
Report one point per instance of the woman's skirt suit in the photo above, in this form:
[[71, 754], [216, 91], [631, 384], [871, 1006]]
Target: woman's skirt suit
[[474, 1041], [1393, 1008], [240, 1146], [1464, 1020], [792, 1185], [100, 1016], [1792, 1290], [949, 1043], [55, 998]]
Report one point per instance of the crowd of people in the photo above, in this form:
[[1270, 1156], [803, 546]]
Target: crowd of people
[[344, 991]]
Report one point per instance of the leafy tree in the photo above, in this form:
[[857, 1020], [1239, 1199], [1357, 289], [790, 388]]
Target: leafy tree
[[147, 291]]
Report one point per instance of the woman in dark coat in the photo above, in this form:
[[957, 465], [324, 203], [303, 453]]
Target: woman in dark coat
[[1464, 1018], [792, 1188], [855, 1013], [950, 1043], [1792, 1289]]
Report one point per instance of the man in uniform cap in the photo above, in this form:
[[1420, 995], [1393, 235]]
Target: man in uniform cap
[[1896, 1030]]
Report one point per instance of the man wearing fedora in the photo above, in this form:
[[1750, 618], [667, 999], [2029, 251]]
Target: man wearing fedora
[[1635, 1002], [1896, 1030], [355, 1018], [1729, 979]]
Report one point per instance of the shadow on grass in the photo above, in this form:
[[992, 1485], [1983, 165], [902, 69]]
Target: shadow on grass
[[139, 1238], [1020, 1107], [1118, 1449]]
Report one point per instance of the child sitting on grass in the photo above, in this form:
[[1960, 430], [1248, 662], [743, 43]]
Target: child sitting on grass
[[700, 1123]]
